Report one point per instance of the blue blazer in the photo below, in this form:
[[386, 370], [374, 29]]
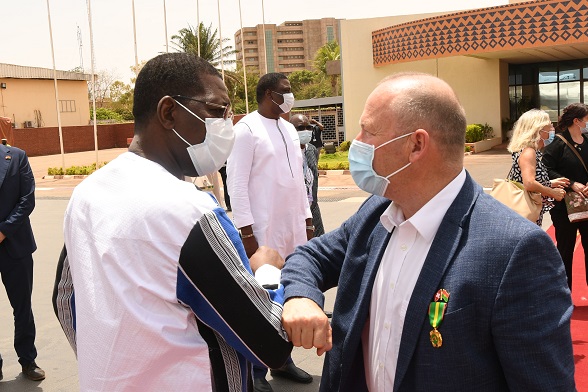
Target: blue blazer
[[17, 201], [507, 325]]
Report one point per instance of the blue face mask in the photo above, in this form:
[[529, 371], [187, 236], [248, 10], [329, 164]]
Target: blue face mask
[[305, 136], [548, 141], [361, 157]]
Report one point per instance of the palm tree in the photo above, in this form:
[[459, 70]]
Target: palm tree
[[328, 52], [210, 49]]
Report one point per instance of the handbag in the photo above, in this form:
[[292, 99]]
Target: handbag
[[576, 203], [513, 195]]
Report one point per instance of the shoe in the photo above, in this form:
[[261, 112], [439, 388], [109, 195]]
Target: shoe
[[292, 372], [1, 375], [261, 385], [33, 372]]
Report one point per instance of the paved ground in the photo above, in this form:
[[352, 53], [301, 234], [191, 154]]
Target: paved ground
[[338, 197]]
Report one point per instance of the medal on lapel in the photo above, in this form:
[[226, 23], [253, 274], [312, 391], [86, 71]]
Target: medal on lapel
[[7, 157], [436, 312]]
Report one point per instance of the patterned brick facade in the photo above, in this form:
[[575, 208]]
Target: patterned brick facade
[[534, 24]]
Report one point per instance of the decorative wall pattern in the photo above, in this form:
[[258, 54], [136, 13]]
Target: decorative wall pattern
[[515, 26]]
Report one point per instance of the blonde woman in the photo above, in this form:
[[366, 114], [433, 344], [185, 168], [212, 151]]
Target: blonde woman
[[533, 131]]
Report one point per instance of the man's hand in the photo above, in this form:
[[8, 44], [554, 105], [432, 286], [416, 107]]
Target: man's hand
[[2, 237], [307, 325], [264, 255]]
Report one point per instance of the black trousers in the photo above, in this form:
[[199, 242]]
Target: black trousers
[[565, 235], [17, 276], [223, 173]]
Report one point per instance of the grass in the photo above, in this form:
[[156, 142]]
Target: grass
[[336, 161]]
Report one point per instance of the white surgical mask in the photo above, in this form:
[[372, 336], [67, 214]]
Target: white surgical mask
[[361, 157], [305, 136], [585, 129], [288, 103], [210, 155]]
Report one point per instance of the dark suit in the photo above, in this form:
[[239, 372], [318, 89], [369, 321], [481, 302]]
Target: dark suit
[[507, 325], [17, 196]]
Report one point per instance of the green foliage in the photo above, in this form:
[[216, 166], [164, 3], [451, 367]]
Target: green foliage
[[478, 132], [210, 48], [328, 52], [74, 170], [468, 149], [344, 146], [106, 114], [336, 161], [237, 93]]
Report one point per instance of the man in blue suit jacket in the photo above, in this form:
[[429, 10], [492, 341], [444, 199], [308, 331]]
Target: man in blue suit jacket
[[17, 244], [440, 287]]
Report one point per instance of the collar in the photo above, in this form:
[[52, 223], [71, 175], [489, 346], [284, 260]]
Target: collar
[[428, 219]]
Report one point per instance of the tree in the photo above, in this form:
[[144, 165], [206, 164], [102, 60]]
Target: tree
[[210, 48], [102, 82], [328, 52], [237, 93]]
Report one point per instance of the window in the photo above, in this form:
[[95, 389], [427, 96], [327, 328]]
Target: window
[[67, 106], [330, 34], [547, 86]]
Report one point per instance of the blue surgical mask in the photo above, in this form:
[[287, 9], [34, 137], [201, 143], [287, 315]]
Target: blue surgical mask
[[548, 141], [361, 157]]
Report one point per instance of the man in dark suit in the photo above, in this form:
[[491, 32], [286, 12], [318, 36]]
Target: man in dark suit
[[440, 287], [17, 244]]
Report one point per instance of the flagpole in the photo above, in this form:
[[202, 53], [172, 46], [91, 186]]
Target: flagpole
[[263, 29], [220, 41], [56, 91], [165, 24], [93, 79], [135, 35], [198, 21], [243, 59]]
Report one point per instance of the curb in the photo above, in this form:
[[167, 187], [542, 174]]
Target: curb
[[334, 173]]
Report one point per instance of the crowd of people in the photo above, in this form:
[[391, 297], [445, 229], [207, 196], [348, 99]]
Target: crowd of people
[[440, 286]]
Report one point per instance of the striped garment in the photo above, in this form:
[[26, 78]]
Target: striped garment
[[164, 296]]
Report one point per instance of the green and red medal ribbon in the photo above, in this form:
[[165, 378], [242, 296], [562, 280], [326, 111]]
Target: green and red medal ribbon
[[437, 310]]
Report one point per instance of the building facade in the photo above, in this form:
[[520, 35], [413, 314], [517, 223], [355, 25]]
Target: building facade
[[27, 97], [288, 47], [501, 61]]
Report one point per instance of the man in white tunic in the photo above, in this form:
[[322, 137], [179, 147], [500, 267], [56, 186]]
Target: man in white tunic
[[266, 186], [154, 290]]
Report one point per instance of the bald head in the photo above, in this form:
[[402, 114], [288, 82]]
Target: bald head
[[411, 101], [298, 118]]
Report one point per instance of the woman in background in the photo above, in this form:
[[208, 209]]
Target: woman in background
[[533, 131], [560, 160]]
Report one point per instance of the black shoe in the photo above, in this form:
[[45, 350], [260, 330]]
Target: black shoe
[[261, 385], [292, 372], [1, 375], [33, 372]]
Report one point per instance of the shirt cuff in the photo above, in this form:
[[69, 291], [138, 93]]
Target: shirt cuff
[[268, 275]]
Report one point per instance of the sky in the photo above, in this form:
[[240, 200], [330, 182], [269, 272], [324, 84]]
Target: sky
[[25, 33]]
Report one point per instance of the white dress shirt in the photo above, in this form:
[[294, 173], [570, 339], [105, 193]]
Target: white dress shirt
[[399, 270]]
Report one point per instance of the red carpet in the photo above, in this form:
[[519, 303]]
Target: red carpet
[[580, 315]]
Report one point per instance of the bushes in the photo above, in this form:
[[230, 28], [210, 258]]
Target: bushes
[[344, 146], [478, 132], [74, 170]]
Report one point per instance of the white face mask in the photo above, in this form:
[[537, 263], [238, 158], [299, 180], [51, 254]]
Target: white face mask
[[305, 136], [288, 102], [585, 129], [210, 155]]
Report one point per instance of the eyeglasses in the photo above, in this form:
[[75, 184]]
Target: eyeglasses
[[304, 128], [228, 111], [282, 94]]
